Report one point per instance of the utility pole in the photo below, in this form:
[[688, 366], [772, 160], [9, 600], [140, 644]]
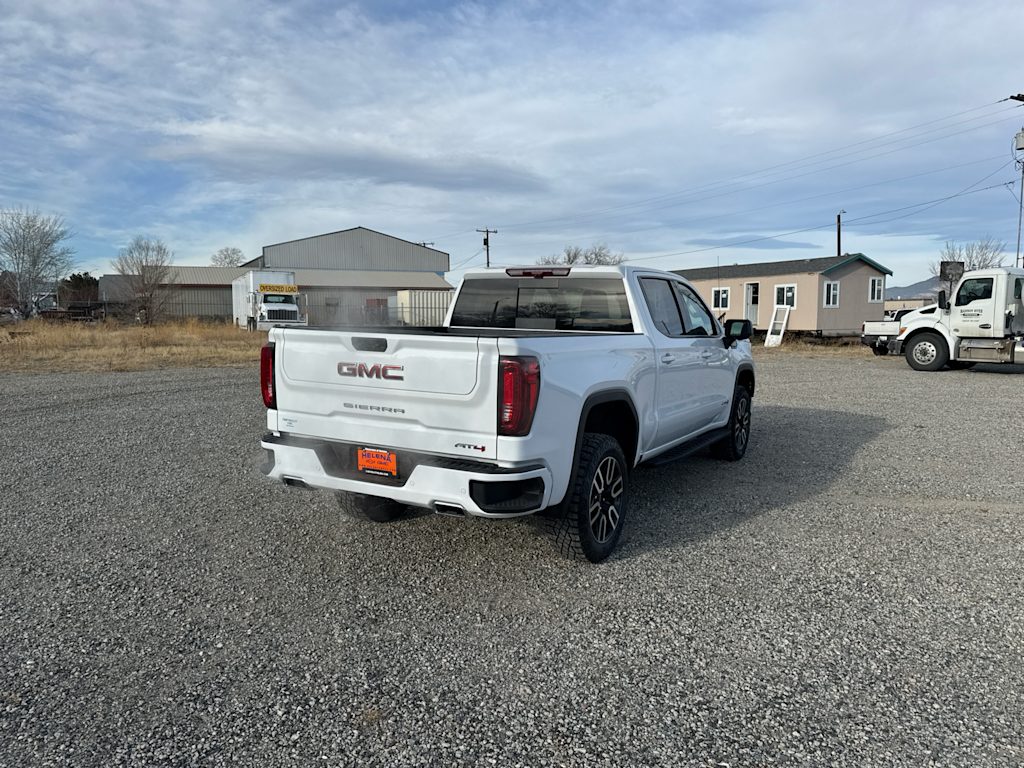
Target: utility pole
[[839, 234], [1020, 196], [487, 241], [1019, 146]]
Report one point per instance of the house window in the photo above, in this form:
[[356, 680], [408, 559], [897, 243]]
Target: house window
[[876, 292], [831, 294], [785, 295], [720, 298]]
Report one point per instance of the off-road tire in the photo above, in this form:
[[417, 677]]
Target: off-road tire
[[879, 351], [595, 509], [734, 445], [927, 352], [369, 508]]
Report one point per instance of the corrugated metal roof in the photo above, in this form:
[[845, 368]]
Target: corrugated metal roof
[[354, 229], [353, 248], [769, 268], [205, 275]]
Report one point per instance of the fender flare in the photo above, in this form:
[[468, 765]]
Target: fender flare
[[747, 368], [938, 328], [593, 400]]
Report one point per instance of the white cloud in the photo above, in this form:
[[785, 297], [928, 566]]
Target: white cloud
[[251, 123]]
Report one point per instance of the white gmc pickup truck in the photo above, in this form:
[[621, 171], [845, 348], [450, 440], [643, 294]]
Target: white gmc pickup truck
[[544, 388]]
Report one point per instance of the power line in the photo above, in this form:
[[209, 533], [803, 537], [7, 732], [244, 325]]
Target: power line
[[691, 197], [931, 204], [688, 193], [743, 211], [829, 225], [463, 263], [593, 212], [763, 179]]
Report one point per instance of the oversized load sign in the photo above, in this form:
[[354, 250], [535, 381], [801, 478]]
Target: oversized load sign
[[270, 288]]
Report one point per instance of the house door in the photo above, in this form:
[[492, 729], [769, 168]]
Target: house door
[[750, 302]]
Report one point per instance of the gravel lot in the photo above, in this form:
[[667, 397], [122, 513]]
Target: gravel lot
[[852, 593]]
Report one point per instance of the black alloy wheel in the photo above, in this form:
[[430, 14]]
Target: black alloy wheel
[[733, 446], [605, 494], [589, 525]]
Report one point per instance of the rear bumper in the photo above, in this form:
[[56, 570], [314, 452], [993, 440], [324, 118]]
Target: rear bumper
[[887, 343], [479, 488]]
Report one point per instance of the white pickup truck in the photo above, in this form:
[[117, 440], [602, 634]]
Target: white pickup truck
[[544, 388], [880, 335]]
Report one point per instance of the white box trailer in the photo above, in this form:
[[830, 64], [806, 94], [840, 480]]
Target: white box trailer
[[262, 299], [420, 308]]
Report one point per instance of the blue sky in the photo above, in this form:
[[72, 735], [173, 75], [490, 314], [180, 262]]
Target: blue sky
[[678, 134]]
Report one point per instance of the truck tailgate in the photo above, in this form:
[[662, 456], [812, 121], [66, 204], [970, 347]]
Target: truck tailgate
[[417, 392]]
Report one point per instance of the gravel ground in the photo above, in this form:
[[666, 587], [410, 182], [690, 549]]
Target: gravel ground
[[849, 594]]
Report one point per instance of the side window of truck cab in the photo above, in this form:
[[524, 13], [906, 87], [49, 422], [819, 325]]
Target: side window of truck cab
[[975, 289], [696, 317], [662, 305]]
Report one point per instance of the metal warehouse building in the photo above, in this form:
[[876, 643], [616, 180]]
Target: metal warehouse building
[[357, 248], [354, 276]]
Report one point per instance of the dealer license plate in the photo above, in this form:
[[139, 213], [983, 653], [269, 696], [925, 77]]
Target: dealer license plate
[[377, 461]]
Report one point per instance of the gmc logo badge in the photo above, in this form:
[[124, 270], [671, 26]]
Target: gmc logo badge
[[375, 371]]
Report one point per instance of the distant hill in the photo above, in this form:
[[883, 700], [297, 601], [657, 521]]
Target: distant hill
[[929, 287]]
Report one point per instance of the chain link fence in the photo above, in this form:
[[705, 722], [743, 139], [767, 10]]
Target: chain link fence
[[326, 313]]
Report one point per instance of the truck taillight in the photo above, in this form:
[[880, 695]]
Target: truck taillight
[[267, 376], [518, 388]]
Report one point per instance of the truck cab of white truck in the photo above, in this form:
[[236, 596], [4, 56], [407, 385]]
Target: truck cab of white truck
[[982, 322], [277, 307], [263, 299]]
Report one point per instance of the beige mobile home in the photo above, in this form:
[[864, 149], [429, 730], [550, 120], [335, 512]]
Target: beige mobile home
[[829, 296]]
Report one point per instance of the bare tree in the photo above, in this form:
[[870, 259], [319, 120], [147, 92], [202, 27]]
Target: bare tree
[[227, 257], [8, 297], [574, 254], [33, 253], [145, 265], [981, 254]]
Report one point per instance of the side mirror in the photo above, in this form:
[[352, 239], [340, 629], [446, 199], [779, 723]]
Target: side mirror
[[737, 330], [943, 304]]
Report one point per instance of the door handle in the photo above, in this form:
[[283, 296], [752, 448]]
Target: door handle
[[985, 325], [706, 353], [668, 358]]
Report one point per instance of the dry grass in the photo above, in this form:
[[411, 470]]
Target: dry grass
[[831, 348], [38, 346], [41, 347]]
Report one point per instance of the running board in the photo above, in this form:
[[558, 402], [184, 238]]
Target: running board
[[687, 449]]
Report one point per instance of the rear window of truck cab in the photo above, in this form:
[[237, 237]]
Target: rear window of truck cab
[[548, 303]]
